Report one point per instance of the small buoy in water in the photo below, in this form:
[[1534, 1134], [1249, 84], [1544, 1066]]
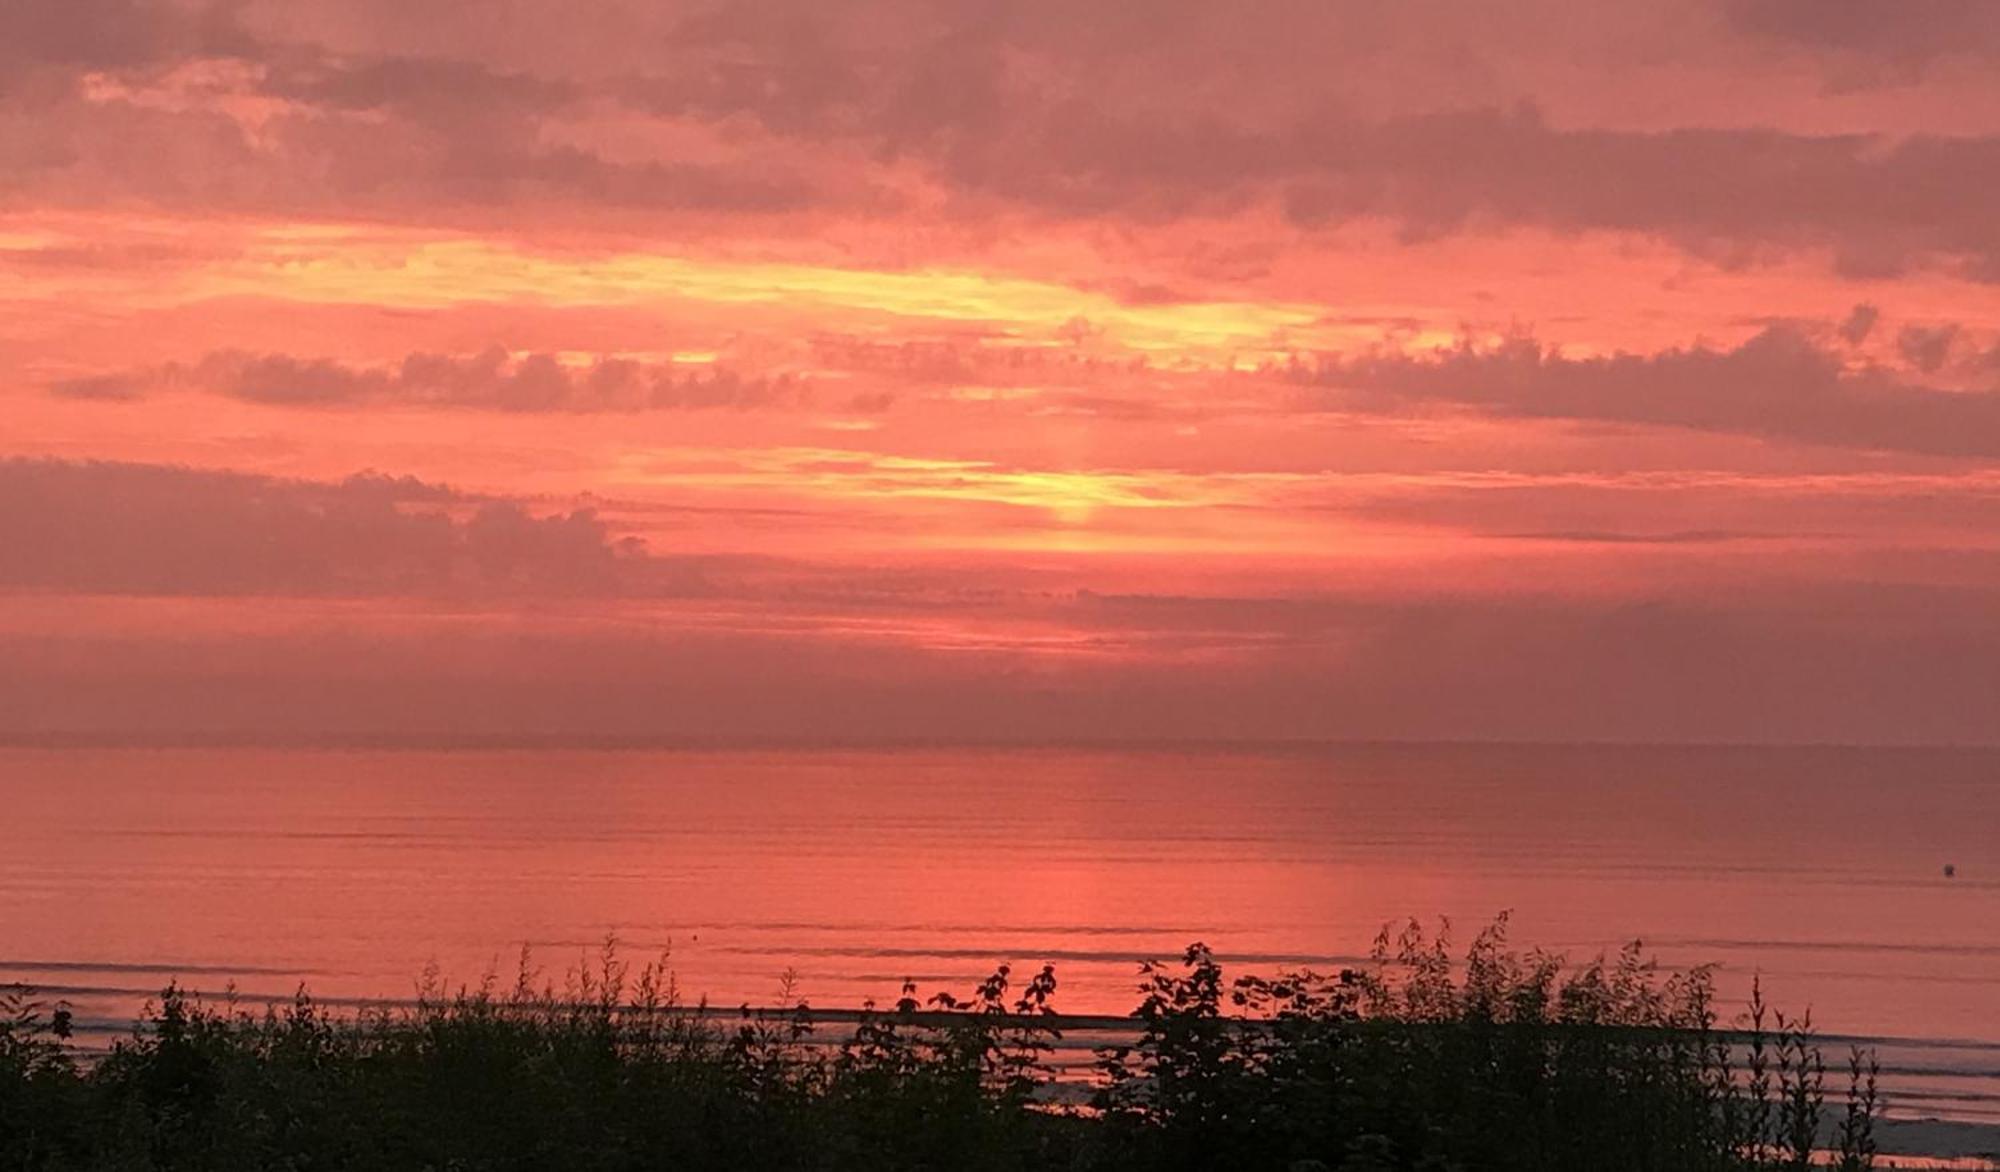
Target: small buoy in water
[[1950, 870]]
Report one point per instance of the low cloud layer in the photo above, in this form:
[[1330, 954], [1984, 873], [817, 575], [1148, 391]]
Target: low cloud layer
[[96, 528], [144, 601], [1781, 384]]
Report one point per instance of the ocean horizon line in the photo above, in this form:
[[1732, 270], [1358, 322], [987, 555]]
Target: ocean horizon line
[[572, 742]]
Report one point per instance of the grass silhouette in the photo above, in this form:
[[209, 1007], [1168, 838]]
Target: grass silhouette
[[1494, 1060]]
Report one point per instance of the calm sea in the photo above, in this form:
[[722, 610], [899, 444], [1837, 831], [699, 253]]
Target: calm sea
[[350, 871]]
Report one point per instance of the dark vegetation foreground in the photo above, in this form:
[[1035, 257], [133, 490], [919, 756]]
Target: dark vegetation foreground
[[1502, 1061]]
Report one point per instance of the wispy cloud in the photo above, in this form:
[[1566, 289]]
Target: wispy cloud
[[493, 380]]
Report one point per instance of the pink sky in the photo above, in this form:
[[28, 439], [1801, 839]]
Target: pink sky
[[930, 368]]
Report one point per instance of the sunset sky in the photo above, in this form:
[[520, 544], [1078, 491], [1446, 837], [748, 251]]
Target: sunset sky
[[1548, 370]]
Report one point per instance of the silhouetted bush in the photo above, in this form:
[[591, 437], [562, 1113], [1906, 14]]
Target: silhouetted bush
[[1503, 1061], [1500, 1061]]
